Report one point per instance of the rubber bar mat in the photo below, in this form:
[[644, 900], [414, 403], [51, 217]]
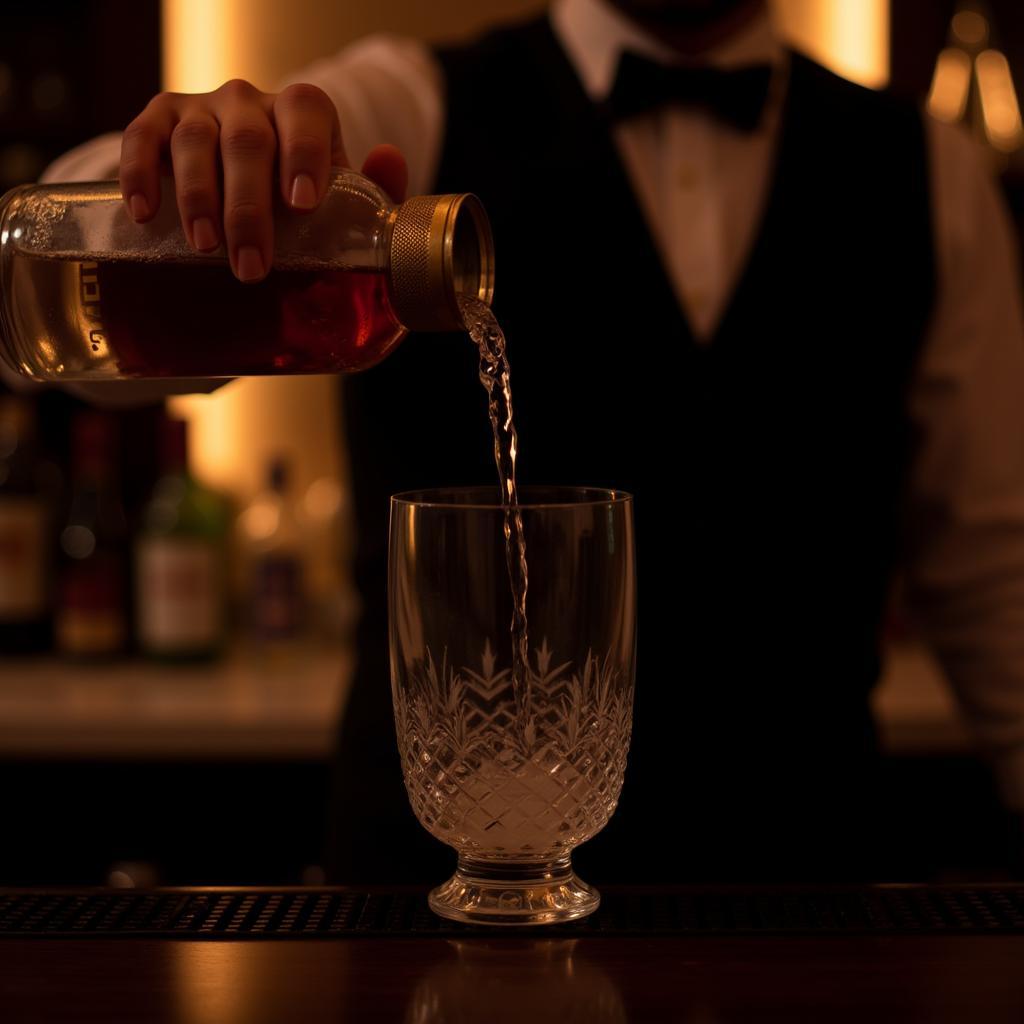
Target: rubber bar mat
[[254, 914]]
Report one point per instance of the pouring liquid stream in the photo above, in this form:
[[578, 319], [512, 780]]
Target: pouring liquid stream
[[495, 376]]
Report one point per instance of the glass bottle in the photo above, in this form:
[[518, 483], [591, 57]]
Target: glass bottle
[[91, 619], [180, 584], [26, 520], [88, 294], [276, 591]]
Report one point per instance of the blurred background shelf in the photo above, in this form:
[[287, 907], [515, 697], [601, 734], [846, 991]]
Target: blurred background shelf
[[247, 706], [222, 773], [135, 772], [252, 706]]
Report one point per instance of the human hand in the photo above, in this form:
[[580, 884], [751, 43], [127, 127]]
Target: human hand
[[225, 149]]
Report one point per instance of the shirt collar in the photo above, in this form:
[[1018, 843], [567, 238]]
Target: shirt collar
[[594, 33]]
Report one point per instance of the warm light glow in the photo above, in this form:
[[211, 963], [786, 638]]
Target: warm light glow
[[970, 28], [951, 85], [235, 432], [999, 106], [260, 520], [216, 433], [851, 37], [322, 500], [212, 984], [198, 43]]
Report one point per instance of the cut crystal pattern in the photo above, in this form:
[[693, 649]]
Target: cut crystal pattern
[[488, 786]]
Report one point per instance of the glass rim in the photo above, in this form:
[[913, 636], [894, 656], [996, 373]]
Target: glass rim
[[488, 498]]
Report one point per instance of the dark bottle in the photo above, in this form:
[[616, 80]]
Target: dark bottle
[[87, 294], [180, 555], [277, 598], [92, 613], [26, 522]]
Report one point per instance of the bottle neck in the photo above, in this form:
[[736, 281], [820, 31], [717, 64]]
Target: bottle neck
[[440, 249]]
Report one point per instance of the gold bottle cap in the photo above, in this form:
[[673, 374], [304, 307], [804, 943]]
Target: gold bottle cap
[[441, 247]]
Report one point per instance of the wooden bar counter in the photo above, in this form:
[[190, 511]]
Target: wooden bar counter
[[899, 953]]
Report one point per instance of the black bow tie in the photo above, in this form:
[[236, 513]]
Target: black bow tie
[[736, 97]]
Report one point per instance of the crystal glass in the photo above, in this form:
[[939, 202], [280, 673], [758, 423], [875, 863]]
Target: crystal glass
[[513, 768]]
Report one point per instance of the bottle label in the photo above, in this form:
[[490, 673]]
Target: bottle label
[[23, 559], [89, 296], [180, 587]]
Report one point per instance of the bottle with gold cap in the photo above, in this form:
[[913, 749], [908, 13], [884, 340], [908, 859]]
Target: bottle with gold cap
[[86, 294]]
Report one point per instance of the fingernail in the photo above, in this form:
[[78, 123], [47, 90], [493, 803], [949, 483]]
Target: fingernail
[[203, 235], [139, 206], [303, 192], [249, 263]]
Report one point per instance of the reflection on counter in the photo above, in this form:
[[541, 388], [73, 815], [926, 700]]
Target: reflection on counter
[[483, 980]]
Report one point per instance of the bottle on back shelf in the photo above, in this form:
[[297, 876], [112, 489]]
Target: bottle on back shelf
[[180, 561], [26, 523], [276, 593], [91, 618]]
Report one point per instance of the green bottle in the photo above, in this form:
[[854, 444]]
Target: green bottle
[[180, 563]]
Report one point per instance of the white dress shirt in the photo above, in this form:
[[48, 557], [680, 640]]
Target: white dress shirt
[[703, 187]]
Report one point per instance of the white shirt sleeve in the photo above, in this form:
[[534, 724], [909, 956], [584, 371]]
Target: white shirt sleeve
[[966, 569], [386, 88]]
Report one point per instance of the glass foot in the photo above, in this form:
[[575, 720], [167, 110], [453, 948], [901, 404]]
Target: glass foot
[[500, 893]]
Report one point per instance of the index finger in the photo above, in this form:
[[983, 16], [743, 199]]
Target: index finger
[[143, 145]]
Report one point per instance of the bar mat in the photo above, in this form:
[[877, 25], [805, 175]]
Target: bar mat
[[261, 913]]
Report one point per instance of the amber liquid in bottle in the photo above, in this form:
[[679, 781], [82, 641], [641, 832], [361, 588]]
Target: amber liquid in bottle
[[194, 319]]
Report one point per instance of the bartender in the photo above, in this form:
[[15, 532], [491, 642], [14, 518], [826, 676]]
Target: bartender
[[781, 309]]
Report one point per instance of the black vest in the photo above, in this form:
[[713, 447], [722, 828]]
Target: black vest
[[767, 465]]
